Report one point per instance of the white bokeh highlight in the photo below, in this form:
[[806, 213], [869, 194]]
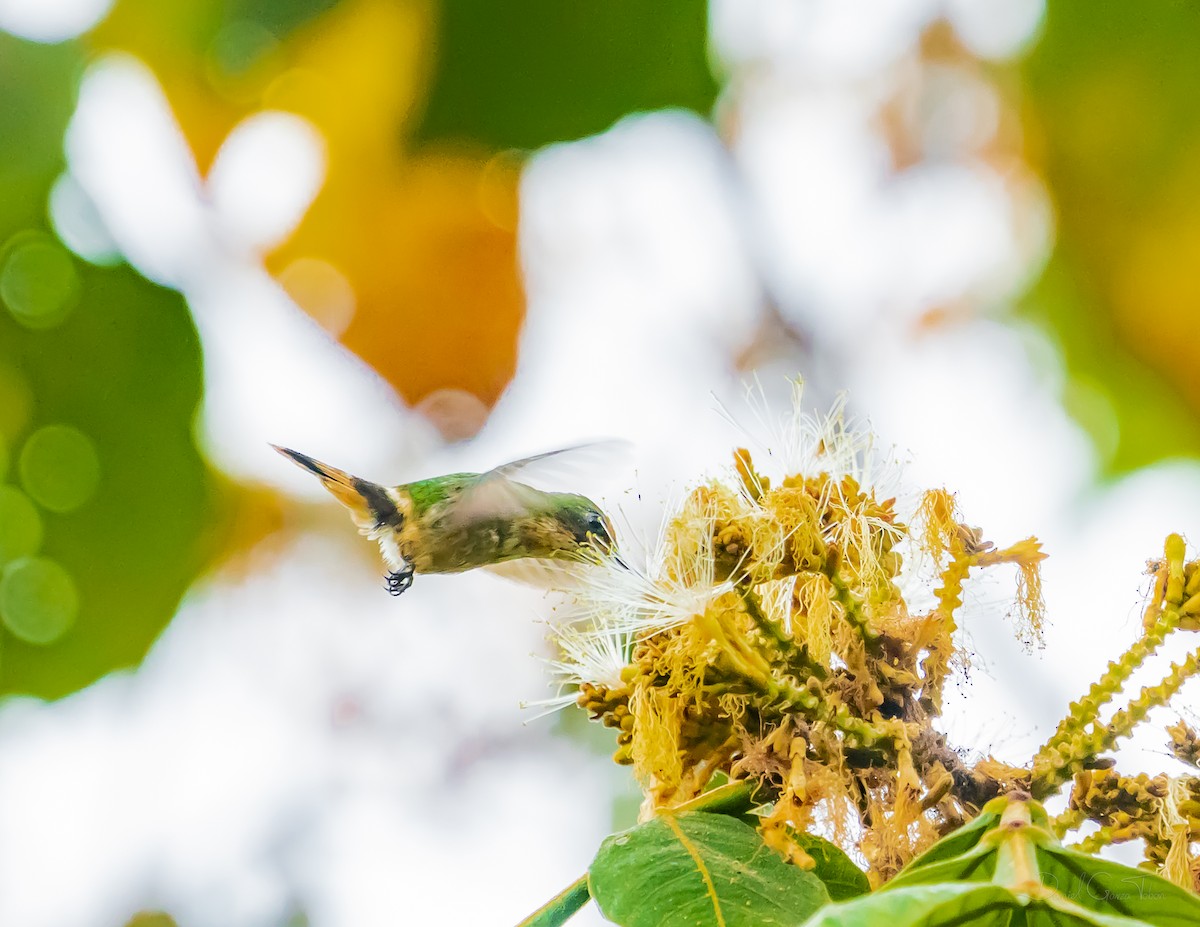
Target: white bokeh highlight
[[51, 21], [265, 176], [272, 375]]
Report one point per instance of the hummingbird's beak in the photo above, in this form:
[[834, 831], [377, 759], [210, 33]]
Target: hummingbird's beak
[[608, 547], [369, 504], [315, 467]]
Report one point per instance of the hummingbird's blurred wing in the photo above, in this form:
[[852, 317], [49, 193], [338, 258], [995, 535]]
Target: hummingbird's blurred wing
[[511, 489], [565, 467], [561, 575], [493, 496]]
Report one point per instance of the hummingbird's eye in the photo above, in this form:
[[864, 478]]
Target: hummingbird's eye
[[596, 525]]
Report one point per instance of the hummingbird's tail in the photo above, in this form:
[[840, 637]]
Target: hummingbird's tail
[[370, 505]]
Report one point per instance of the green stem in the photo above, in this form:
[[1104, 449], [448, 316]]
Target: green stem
[[1093, 843], [753, 606], [854, 614], [1124, 721], [1050, 771], [1016, 859], [1068, 820], [797, 654], [561, 907], [1087, 709]]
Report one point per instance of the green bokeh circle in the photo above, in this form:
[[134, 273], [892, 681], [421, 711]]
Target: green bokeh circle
[[59, 467], [38, 600], [20, 525], [38, 281]]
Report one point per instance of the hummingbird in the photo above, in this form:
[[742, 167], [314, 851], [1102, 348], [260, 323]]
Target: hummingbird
[[460, 521]]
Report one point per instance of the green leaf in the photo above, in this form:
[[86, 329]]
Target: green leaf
[[735, 799], [1110, 888], [842, 878], [996, 881], [957, 842], [958, 904], [696, 870], [523, 75], [976, 865], [977, 904]]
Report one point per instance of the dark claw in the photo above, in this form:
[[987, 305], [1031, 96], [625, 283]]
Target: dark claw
[[397, 582]]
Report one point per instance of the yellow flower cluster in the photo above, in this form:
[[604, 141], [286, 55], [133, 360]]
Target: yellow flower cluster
[[1128, 806], [1163, 812], [771, 638]]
